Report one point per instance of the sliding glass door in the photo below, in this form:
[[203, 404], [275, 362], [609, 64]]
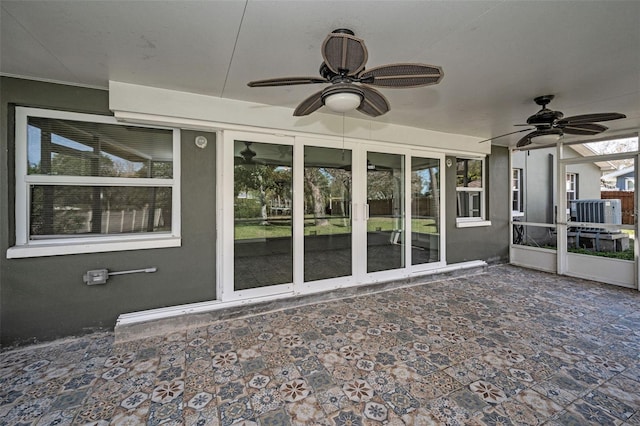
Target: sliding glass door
[[327, 213], [425, 210], [257, 211], [310, 215], [385, 211], [262, 225]]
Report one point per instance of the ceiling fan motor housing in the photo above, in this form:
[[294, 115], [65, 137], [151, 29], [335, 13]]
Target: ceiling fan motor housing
[[544, 118]]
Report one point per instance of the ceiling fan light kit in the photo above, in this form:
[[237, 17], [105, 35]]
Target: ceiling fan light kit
[[342, 99], [545, 139], [344, 58]]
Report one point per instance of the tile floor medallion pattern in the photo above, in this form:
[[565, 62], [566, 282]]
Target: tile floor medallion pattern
[[506, 347]]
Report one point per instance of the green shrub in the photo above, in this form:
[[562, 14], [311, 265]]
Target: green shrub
[[246, 208]]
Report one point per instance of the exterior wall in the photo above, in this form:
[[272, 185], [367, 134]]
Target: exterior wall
[[539, 181], [588, 180], [45, 298], [621, 181], [489, 243]]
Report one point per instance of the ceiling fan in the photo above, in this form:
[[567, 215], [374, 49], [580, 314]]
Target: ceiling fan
[[247, 156], [547, 122], [343, 67]]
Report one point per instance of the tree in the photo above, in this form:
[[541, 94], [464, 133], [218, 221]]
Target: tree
[[263, 182], [317, 185]]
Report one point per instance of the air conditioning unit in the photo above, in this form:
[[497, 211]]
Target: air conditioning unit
[[597, 211]]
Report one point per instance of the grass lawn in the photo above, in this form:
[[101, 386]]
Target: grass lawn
[[279, 228]]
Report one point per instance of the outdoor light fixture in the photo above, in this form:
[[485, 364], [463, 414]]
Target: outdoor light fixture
[[342, 99], [342, 102], [546, 139]]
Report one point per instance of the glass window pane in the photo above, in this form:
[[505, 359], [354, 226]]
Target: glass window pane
[[425, 210], [516, 191], [78, 148], [468, 173], [469, 203], [385, 198], [327, 213], [262, 214], [80, 210]]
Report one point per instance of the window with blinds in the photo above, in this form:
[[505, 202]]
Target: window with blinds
[[88, 176]]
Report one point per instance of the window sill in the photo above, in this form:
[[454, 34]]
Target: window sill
[[60, 249], [472, 223]]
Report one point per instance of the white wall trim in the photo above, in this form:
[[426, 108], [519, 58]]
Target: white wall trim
[[83, 247], [214, 305], [131, 102]]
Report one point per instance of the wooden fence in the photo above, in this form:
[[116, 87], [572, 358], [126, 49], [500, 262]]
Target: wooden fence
[[626, 199]]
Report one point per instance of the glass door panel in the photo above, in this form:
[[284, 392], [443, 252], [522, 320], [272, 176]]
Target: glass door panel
[[263, 238], [425, 210], [385, 205], [327, 213]]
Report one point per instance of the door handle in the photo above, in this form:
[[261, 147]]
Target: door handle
[[366, 212]]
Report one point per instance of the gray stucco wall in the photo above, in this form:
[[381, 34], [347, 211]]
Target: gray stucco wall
[[45, 298], [489, 243], [539, 184]]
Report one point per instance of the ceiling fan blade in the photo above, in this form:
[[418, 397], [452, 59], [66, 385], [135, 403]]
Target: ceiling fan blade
[[344, 53], [374, 103], [590, 118], [309, 105], [402, 75], [507, 134], [286, 81], [525, 140], [584, 129]]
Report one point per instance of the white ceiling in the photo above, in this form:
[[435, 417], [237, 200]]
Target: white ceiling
[[496, 55]]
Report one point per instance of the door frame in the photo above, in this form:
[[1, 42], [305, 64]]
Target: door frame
[[623, 273], [317, 286], [226, 231], [611, 271]]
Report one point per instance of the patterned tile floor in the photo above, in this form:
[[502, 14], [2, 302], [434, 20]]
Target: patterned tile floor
[[511, 346]]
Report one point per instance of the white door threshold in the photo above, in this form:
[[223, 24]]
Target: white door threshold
[[153, 322]]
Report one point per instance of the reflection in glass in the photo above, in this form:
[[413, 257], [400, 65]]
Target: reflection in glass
[[385, 199], [262, 215], [469, 190], [78, 148], [327, 213], [425, 210]]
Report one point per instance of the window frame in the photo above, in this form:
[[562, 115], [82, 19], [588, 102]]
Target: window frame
[[464, 221], [516, 192], [572, 186], [629, 184], [62, 245]]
